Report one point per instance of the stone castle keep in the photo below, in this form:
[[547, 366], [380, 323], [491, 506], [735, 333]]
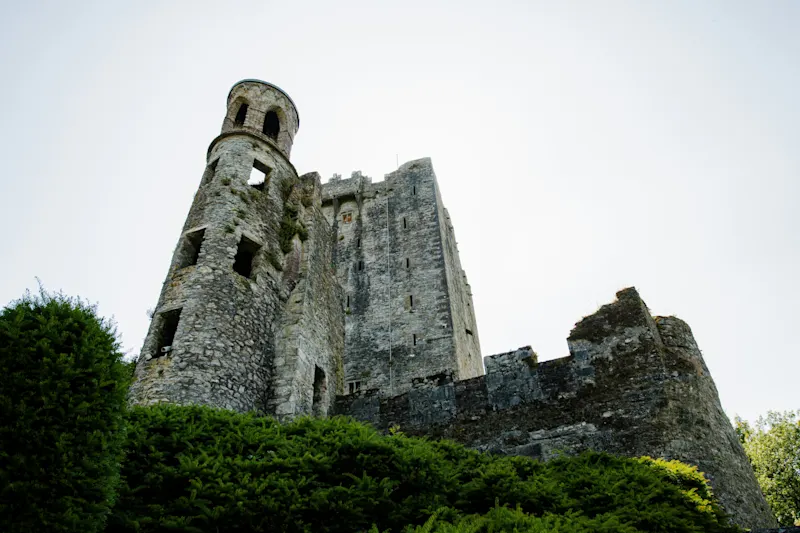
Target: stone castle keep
[[289, 297]]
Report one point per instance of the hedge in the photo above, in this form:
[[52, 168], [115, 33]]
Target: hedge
[[196, 469], [62, 395]]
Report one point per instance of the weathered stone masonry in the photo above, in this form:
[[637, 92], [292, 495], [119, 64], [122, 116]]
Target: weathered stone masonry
[[408, 306], [632, 385], [250, 307], [288, 297]]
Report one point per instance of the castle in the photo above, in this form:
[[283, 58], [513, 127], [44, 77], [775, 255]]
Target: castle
[[289, 297]]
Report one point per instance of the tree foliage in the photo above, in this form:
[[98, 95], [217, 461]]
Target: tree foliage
[[196, 469], [62, 395], [773, 447]]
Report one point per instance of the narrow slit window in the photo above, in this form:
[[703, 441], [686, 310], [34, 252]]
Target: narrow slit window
[[318, 406], [414, 339], [469, 331], [348, 301], [167, 330], [245, 257], [414, 190], [271, 125], [361, 265], [411, 300], [190, 248], [241, 115], [408, 262], [404, 223], [259, 175], [358, 243]]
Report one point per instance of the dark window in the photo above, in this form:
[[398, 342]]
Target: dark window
[[348, 301], [259, 175], [408, 262], [411, 300], [208, 175], [414, 338], [361, 265], [354, 386], [190, 248], [469, 331], [271, 125], [358, 243], [414, 190], [166, 331], [241, 115], [245, 254], [319, 406], [404, 223]]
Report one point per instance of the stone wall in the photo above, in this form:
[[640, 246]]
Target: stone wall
[[407, 304], [632, 385], [311, 334]]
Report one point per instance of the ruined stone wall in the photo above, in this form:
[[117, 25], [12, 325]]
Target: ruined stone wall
[[395, 262], [632, 385]]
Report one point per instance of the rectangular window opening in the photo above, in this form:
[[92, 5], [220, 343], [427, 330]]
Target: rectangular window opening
[[318, 406], [190, 248], [166, 331], [347, 218], [259, 175], [408, 262], [411, 300], [358, 243], [414, 190], [353, 386], [361, 265], [245, 255], [469, 331], [348, 302], [414, 338], [208, 175], [404, 223]]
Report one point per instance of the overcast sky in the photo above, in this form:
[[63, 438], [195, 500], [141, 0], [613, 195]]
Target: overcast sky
[[581, 147]]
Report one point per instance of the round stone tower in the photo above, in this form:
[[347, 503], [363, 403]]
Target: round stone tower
[[262, 109], [212, 336]]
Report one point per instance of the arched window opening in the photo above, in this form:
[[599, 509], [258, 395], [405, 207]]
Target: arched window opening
[[271, 125], [241, 115]]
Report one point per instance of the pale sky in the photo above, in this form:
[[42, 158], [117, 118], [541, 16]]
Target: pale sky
[[581, 147]]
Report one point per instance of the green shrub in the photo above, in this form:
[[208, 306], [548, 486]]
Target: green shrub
[[62, 394], [204, 470], [773, 447]]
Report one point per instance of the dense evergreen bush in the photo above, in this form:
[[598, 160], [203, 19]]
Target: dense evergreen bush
[[62, 393], [196, 469]]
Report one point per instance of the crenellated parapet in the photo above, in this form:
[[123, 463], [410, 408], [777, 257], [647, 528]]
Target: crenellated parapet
[[632, 385]]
